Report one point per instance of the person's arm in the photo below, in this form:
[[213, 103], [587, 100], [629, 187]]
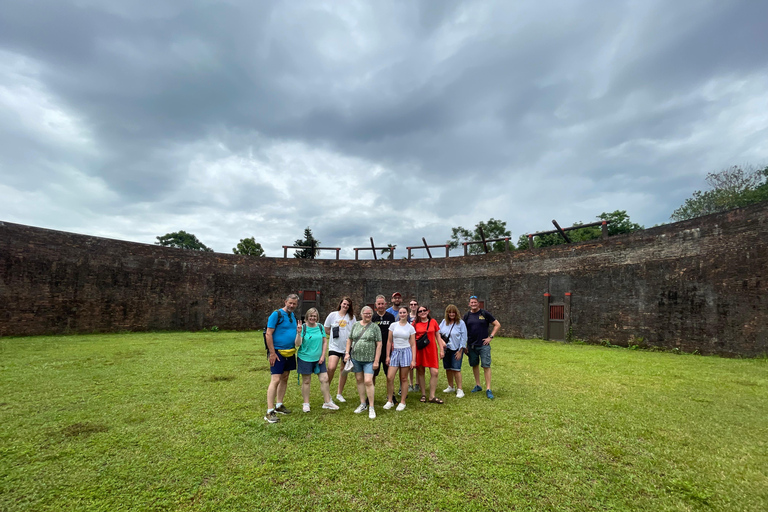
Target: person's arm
[[390, 344], [377, 357], [325, 346], [271, 346], [412, 341], [298, 340], [348, 349], [496, 326]]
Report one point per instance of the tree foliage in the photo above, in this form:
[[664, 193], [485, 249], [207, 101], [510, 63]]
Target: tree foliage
[[308, 241], [619, 223], [492, 229], [182, 240], [732, 187], [249, 247], [390, 249]]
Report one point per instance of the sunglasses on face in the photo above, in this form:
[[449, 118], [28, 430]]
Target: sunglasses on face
[[423, 310]]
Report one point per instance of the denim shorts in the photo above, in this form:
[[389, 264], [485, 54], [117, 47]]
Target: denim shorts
[[449, 360], [283, 364], [310, 367], [480, 354], [360, 366]]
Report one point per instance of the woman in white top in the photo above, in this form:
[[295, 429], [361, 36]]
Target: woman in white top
[[339, 325], [454, 332], [401, 354]]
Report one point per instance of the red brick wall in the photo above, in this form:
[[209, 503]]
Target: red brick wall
[[694, 285]]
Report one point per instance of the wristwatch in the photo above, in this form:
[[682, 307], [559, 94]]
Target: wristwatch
[[491, 336]]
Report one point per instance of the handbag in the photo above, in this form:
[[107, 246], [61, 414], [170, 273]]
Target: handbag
[[422, 341], [447, 338], [348, 366]]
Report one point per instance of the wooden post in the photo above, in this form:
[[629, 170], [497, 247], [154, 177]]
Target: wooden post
[[285, 251], [530, 242], [373, 247], [561, 231], [482, 237], [409, 253], [506, 240], [426, 247], [337, 255], [604, 229], [447, 248], [355, 253], [465, 248]]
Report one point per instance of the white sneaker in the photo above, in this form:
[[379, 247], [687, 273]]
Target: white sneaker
[[330, 405], [360, 408], [449, 389], [388, 405], [340, 398], [305, 407], [371, 413], [400, 407], [459, 393]]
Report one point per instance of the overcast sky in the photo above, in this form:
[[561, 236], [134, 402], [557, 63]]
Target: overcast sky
[[397, 120]]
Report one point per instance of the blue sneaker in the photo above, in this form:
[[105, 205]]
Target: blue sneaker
[[489, 394], [476, 389]]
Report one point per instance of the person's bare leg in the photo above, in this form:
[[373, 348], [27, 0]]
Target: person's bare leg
[[457, 378], [333, 362], [325, 387], [359, 378], [342, 383], [272, 390], [370, 389], [305, 387], [476, 373], [433, 374], [487, 372], [391, 384], [421, 379], [404, 373], [282, 386]]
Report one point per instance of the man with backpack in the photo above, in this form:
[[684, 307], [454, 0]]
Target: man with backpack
[[479, 342], [280, 337]]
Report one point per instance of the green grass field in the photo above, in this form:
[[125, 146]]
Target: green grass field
[[162, 421]]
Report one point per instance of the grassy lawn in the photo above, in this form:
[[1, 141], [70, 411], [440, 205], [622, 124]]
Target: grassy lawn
[[174, 421]]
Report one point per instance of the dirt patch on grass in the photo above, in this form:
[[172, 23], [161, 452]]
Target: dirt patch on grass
[[220, 378], [83, 429]]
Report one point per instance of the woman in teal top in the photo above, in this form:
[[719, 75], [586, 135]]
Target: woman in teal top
[[310, 359], [364, 350]]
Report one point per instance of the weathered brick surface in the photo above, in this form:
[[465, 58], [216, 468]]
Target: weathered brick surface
[[694, 285]]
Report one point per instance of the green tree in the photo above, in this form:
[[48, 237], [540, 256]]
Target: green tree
[[182, 240], [389, 250], [619, 223], [249, 247], [308, 241], [492, 229], [732, 187]]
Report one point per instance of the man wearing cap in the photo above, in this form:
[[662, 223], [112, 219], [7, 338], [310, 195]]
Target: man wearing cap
[[479, 342], [383, 318], [396, 300]]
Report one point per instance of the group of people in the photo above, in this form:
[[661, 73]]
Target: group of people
[[397, 339]]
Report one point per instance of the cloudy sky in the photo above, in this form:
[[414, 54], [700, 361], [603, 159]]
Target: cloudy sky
[[396, 119]]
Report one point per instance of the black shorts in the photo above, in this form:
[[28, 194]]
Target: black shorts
[[340, 355]]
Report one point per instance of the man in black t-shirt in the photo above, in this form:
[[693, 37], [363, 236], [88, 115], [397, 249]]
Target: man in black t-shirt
[[479, 342], [383, 319]]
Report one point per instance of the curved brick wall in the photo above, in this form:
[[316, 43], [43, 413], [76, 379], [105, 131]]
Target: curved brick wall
[[696, 285]]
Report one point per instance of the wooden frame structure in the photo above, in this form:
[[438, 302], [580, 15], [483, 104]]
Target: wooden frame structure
[[602, 223]]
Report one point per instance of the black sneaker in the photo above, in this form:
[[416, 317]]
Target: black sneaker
[[282, 409], [271, 417]]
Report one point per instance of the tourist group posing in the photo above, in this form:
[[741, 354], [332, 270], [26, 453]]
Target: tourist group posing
[[398, 340]]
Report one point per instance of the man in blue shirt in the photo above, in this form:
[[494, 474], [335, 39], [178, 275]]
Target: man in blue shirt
[[283, 329], [396, 300], [479, 342]]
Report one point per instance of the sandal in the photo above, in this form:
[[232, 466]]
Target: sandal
[[423, 399], [435, 401]]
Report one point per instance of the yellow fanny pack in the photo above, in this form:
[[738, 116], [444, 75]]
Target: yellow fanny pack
[[287, 352]]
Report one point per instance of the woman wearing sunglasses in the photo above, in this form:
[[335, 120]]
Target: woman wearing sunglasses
[[401, 348], [427, 357]]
